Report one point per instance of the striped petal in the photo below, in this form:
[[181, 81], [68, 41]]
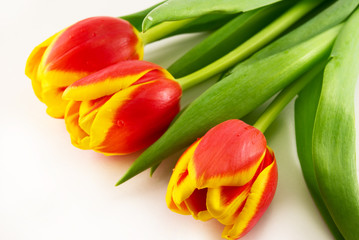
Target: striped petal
[[228, 155], [88, 111], [258, 200], [153, 75], [180, 186], [33, 63], [79, 138], [88, 46], [196, 204], [135, 117], [113, 79], [182, 196], [52, 97], [224, 202], [79, 117]]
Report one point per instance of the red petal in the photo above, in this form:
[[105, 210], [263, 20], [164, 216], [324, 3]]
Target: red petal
[[196, 204], [228, 155], [92, 44], [260, 196], [135, 117], [113, 79], [180, 186], [223, 203]]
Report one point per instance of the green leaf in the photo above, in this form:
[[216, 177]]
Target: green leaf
[[329, 17], [334, 146], [205, 23], [305, 109], [234, 97], [174, 10], [249, 47], [136, 19], [225, 39]]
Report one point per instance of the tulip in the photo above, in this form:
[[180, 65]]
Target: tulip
[[77, 51], [229, 174], [122, 108]]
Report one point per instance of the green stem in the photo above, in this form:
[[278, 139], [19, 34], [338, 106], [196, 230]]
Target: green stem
[[259, 40], [162, 30], [279, 103]]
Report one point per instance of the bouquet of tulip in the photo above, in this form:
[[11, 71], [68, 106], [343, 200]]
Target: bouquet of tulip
[[93, 75]]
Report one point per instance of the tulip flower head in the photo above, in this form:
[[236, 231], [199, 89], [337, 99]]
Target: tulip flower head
[[122, 108], [229, 174], [77, 51]]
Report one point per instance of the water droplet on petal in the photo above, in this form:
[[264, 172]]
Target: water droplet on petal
[[120, 123]]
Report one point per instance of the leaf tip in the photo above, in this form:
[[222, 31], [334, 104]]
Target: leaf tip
[[147, 23], [123, 179]]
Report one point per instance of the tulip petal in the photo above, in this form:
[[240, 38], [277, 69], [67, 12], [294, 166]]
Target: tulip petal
[[88, 111], [154, 75], [52, 97], [259, 198], [88, 46], [196, 204], [33, 63], [176, 193], [56, 77], [113, 79], [92, 44], [79, 138], [229, 155], [182, 197], [223, 202], [135, 117]]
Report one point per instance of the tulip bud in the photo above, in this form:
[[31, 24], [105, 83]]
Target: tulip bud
[[77, 51], [122, 108], [229, 174]]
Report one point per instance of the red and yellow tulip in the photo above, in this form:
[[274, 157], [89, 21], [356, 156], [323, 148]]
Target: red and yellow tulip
[[77, 51], [229, 174], [122, 108]]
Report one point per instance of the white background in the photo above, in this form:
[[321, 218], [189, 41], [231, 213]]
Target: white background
[[51, 190]]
